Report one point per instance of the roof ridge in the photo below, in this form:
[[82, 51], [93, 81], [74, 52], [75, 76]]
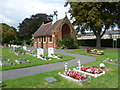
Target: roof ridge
[[52, 24], [60, 22], [47, 23], [47, 30], [38, 28]]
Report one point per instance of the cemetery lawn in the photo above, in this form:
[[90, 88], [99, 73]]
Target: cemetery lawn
[[34, 61], [109, 80]]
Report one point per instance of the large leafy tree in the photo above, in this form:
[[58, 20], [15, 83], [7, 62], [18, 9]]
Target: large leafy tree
[[8, 33], [30, 25], [95, 16]]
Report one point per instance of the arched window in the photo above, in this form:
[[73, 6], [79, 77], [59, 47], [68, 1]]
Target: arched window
[[65, 30]]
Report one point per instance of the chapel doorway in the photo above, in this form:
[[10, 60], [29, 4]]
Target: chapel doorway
[[65, 30]]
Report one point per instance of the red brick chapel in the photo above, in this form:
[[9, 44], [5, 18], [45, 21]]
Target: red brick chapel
[[47, 34]]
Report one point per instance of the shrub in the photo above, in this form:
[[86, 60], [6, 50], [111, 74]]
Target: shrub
[[92, 42], [67, 42]]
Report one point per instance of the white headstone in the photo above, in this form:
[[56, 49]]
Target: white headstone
[[8, 45], [24, 47], [40, 51], [50, 51]]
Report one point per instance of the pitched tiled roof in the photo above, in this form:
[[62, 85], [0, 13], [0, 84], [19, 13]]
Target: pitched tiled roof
[[46, 29]]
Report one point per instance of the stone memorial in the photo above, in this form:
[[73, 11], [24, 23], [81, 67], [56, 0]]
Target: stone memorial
[[50, 79], [24, 47], [50, 52], [40, 52]]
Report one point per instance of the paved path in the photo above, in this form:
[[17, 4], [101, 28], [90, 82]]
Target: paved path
[[17, 73]]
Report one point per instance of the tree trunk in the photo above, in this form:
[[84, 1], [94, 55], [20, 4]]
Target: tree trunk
[[98, 43]]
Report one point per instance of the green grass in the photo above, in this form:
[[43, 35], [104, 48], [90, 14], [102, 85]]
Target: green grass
[[109, 53], [109, 80], [34, 61]]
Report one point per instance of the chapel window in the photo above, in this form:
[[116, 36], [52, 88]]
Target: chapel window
[[44, 39], [50, 39]]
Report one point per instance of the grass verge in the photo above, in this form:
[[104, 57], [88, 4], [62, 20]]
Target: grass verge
[[34, 60]]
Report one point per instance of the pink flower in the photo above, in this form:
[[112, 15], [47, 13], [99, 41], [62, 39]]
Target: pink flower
[[96, 72], [92, 69], [73, 74], [100, 71], [84, 76]]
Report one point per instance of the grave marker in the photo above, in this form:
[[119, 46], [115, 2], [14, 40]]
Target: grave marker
[[40, 51], [50, 79], [50, 52], [24, 47]]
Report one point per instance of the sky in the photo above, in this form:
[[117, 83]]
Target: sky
[[13, 12]]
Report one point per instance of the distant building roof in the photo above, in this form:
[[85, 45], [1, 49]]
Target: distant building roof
[[109, 31]]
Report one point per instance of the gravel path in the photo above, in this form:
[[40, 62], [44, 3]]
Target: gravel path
[[17, 73]]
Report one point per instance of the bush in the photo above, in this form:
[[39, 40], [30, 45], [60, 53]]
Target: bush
[[67, 42], [18, 42]]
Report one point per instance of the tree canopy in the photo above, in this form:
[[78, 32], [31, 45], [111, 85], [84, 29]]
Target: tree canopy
[[8, 33], [95, 16], [30, 25]]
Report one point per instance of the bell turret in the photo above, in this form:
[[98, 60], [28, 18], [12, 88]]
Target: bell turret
[[54, 16]]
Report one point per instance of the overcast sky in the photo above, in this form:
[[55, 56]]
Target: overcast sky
[[14, 12]]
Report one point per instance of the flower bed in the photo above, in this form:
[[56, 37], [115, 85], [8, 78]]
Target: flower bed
[[95, 51], [75, 77], [90, 71]]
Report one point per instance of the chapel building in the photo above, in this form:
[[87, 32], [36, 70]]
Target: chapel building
[[47, 34]]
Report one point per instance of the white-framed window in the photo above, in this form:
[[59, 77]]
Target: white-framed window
[[44, 39], [50, 39]]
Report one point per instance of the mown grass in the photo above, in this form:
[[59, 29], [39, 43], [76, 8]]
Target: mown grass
[[34, 61], [109, 80]]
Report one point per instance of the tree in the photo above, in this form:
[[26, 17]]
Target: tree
[[30, 25], [8, 33], [95, 16]]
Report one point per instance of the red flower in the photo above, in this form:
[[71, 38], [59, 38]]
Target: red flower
[[84, 68], [100, 71], [73, 74], [92, 68], [93, 71], [78, 76]]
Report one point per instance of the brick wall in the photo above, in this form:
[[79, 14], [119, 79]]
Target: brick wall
[[58, 36]]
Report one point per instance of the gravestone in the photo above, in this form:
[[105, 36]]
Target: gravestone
[[0, 63], [40, 51], [86, 80], [50, 79], [24, 47], [50, 52]]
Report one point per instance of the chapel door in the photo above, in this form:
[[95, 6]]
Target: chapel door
[[65, 30]]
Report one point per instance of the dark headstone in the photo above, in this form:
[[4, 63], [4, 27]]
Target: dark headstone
[[7, 64], [85, 80], [50, 79], [25, 62]]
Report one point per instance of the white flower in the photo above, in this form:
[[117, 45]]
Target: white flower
[[69, 70], [88, 70], [101, 51], [102, 65]]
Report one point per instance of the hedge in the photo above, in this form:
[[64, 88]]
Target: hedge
[[92, 42]]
